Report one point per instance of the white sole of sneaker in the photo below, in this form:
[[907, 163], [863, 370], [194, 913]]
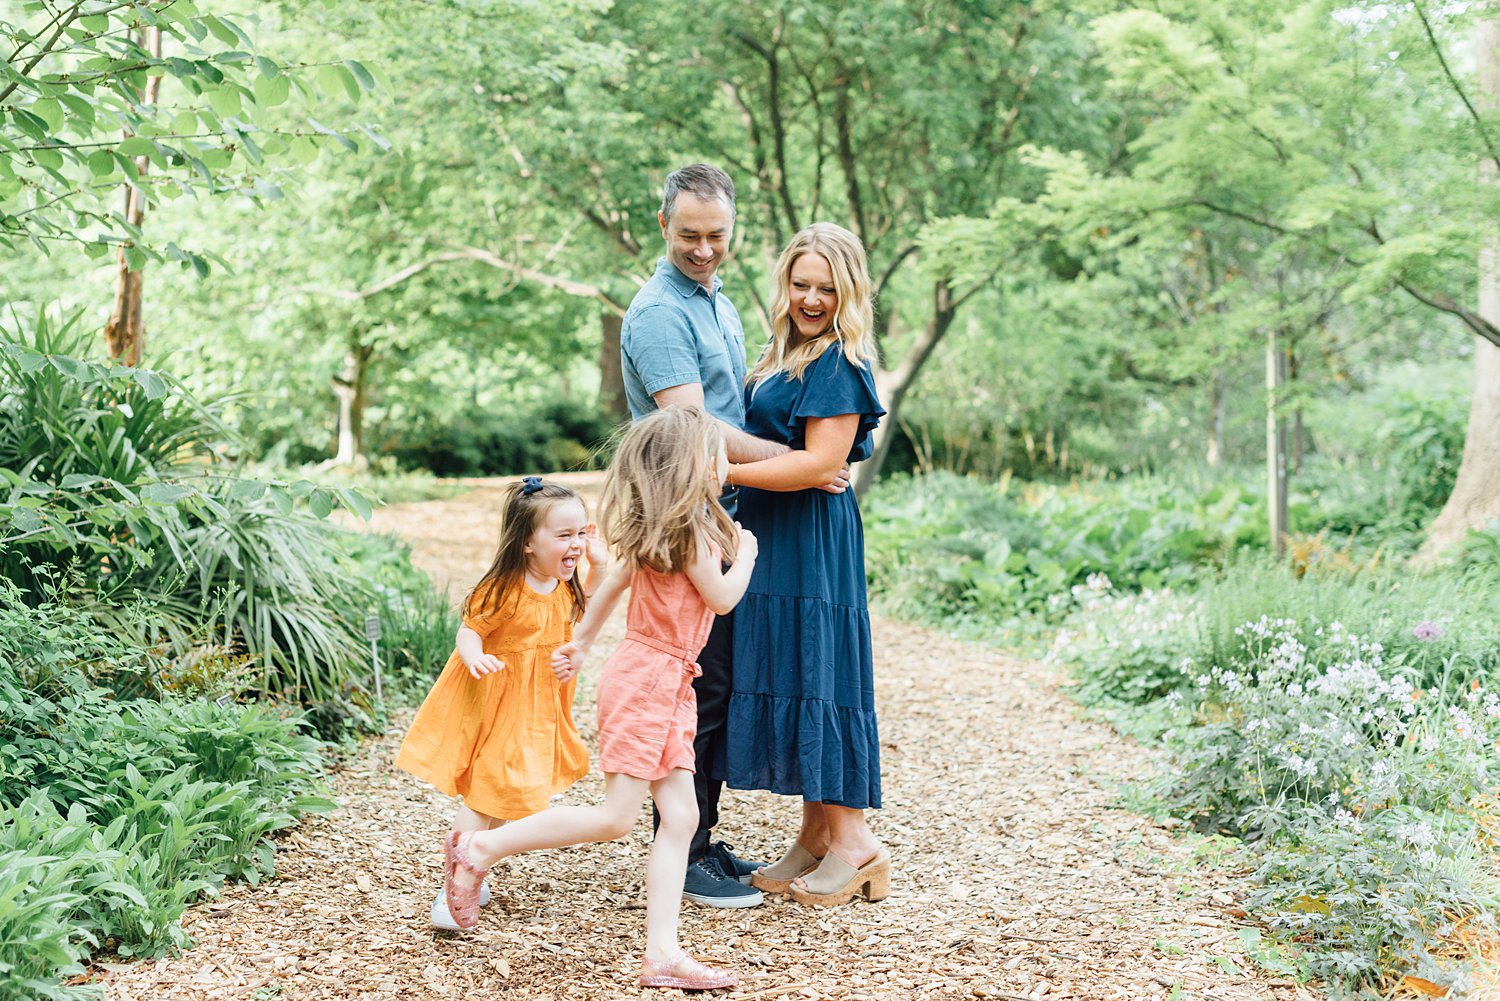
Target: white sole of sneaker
[[743, 900], [443, 920]]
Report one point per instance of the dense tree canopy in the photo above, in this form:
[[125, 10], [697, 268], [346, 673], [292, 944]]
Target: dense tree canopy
[[1106, 208]]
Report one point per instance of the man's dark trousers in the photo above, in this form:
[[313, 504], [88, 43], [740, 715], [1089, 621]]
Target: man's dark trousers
[[712, 689]]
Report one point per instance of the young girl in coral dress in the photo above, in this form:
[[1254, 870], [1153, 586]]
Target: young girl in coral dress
[[497, 728], [661, 515]]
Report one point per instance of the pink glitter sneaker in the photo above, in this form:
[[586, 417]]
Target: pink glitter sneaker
[[463, 904], [686, 973]]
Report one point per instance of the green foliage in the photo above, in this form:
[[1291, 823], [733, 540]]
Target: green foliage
[[111, 483], [115, 814], [1130, 649], [555, 436], [1389, 456], [39, 944], [417, 622], [77, 126], [944, 547], [1346, 725]]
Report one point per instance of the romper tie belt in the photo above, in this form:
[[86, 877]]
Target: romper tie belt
[[682, 653]]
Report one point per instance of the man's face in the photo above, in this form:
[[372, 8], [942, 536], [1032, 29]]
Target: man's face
[[698, 235]]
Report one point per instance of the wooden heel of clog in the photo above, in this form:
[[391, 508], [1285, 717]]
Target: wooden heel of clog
[[837, 882], [774, 878]]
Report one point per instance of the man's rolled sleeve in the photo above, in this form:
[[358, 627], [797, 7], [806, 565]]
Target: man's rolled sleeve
[[663, 349]]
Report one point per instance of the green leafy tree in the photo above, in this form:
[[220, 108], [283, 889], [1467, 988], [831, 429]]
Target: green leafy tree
[[85, 118], [1346, 136], [881, 116]]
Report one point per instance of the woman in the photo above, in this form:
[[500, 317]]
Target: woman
[[802, 712]]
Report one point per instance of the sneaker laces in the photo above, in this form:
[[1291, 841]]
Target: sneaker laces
[[711, 868]]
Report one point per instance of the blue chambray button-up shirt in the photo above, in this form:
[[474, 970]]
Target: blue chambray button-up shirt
[[677, 332]]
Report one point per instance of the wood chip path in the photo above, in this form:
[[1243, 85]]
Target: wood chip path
[[1019, 874]]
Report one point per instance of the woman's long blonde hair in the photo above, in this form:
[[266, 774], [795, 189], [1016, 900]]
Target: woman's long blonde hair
[[853, 322], [661, 494]]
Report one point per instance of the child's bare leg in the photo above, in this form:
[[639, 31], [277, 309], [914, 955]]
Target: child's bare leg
[[560, 826], [470, 819], [678, 806]]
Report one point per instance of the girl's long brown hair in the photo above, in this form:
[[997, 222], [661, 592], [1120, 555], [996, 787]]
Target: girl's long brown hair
[[520, 515], [661, 495]]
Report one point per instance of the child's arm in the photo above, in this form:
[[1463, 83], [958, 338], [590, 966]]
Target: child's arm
[[567, 660], [597, 553], [471, 651], [820, 462], [722, 589]]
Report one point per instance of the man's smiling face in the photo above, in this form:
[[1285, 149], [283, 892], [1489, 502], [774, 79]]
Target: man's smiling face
[[698, 235]]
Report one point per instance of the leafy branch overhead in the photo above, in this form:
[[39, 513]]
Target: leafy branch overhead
[[74, 126]]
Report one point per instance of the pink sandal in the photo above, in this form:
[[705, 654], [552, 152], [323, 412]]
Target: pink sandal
[[686, 973], [463, 905]]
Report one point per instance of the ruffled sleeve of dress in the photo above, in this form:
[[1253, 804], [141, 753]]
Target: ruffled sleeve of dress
[[834, 386], [486, 612]]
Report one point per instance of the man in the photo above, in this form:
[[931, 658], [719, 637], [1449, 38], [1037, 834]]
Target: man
[[682, 343]]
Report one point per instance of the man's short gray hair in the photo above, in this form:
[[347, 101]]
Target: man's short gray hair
[[704, 180]]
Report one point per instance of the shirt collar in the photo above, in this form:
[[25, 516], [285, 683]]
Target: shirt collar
[[681, 282]]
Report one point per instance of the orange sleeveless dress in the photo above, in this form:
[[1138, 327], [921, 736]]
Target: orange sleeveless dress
[[505, 742], [648, 712]]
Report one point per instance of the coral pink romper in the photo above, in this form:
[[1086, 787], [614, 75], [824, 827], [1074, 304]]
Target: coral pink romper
[[648, 712]]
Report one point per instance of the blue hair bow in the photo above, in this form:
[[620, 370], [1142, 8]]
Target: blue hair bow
[[530, 485]]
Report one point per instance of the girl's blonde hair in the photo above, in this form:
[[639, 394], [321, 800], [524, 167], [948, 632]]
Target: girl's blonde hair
[[520, 515], [853, 322], [660, 507]]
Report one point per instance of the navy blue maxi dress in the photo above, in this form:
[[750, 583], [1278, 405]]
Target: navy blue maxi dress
[[802, 710]]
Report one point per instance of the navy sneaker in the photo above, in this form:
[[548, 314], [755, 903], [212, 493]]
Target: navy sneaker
[[730, 864], [707, 884]]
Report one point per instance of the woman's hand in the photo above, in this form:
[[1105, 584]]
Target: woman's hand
[[485, 663], [567, 660], [840, 481]]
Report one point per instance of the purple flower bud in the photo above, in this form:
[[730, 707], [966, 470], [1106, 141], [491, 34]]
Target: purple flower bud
[[1428, 630]]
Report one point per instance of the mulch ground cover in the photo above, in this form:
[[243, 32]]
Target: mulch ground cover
[[1018, 873]]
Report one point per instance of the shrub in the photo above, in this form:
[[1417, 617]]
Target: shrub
[[945, 548], [1129, 648], [115, 814], [554, 436], [39, 942], [108, 487], [1346, 726]]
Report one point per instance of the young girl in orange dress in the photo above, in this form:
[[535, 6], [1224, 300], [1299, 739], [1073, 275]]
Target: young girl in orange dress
[[497, 728], [661, 515]]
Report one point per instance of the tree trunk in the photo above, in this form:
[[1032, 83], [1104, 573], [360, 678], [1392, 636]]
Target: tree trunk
[[612, 399], [1217, 394], [1296, 432], [1275, 444], [125, 333], [1476, 493], [349, 387], [893, 384]]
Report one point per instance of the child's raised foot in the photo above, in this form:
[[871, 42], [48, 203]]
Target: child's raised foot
[[685, 973], [462, 880]]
